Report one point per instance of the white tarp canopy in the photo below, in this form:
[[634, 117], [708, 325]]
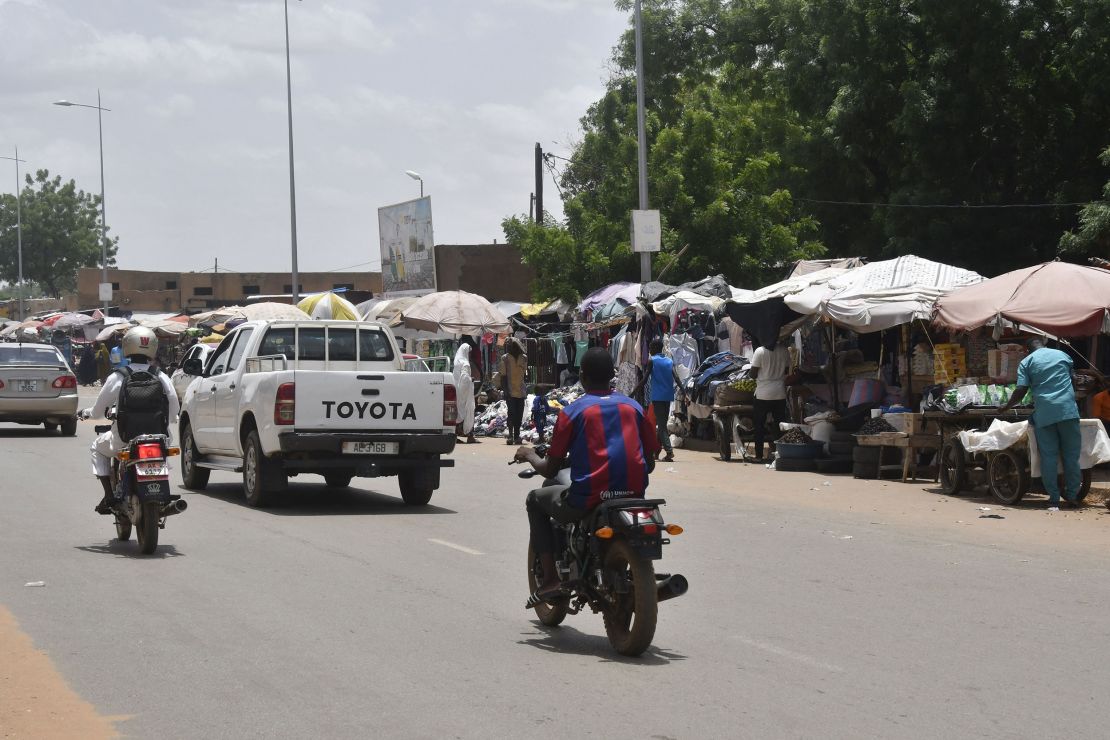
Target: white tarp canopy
[[881, 295], [685, 299], [788, 287]]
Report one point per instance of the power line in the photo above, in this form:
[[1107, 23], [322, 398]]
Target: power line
[[554, 179], [351, 267], [963, 206]]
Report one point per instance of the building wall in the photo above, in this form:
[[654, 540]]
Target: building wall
[[136, 290], [494, 271]]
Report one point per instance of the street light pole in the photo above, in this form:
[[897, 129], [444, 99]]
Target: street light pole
[[18, 229], [641, 136], [292, 181], [103, 217], [416, 176]]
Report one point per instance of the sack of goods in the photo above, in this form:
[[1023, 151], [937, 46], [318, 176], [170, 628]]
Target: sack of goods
[[1002, 363]]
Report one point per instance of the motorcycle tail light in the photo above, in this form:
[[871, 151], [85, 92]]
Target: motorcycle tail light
[[450, 405], [65, 381], [285, 404], [650, 528], [150, 452]]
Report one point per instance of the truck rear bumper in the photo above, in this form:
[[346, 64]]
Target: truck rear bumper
[[310, 452]]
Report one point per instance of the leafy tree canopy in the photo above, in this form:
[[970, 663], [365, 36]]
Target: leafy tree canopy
[[61, 233], [766, 117]]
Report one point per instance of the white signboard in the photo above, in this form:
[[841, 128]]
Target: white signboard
[[407, 248], [646, 231], [105, 291]]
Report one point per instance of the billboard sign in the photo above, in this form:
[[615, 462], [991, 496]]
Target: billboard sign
[[407, 248]]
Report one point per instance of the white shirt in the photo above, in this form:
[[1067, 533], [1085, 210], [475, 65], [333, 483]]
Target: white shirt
[[109, 397], [774, 365]]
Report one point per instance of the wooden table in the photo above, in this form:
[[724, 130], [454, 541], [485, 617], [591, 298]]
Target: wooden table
[[910, 444]]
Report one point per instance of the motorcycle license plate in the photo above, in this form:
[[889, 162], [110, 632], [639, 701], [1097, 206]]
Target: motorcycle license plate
[[27, 386], [371, 448], [152, 470]]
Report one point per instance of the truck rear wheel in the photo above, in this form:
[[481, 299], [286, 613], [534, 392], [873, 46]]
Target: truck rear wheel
[[262, 477], [415, 490]]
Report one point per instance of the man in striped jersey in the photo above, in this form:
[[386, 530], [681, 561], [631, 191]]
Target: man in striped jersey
[[610, 445]]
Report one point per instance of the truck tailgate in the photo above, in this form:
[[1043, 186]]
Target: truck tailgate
[[365, 400]]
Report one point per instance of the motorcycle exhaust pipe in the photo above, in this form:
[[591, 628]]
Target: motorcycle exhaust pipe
[[671, 587], [174, 507]]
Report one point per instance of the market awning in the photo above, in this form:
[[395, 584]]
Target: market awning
[[672, 305], [882, 295], [1056, 297], [628, 292], [763, 313]]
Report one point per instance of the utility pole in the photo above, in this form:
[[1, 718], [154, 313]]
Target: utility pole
[[641, 136], [539, 184], [18, 229], [531, 206]]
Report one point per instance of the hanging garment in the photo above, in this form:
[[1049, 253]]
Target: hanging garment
[[683, 350], [561, 353], [580, 348], [628, 379]]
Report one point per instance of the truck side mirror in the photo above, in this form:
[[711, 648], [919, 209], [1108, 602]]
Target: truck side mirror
[[193, 367]]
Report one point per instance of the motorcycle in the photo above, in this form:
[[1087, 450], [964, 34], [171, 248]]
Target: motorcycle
[[141, 480], [605, 561]]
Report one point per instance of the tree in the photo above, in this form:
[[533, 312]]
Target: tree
[[1092, 239], [564, 268], [61, 233], [777, 127]]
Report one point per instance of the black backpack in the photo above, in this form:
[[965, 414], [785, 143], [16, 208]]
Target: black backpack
[[142, 407]]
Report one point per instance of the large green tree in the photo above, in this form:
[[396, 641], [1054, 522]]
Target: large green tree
[[960, 131], [1092, 238], [61, 233]]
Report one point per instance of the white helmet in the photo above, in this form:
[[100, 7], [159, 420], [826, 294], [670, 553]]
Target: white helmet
[[140, 341]]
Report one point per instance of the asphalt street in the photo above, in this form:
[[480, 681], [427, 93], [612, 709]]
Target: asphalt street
[[813, 611]]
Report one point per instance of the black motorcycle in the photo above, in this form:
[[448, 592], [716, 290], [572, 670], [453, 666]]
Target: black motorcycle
[[141, 481], [605, 562]]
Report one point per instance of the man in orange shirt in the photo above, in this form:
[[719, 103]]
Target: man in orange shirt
[[1100, 408]]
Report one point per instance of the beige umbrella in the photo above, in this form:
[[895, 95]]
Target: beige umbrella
[[267, 311], [219, 314], [455, 312], [387, 312]]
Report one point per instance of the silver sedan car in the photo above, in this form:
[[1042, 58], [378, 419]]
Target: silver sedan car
[[37, 387]]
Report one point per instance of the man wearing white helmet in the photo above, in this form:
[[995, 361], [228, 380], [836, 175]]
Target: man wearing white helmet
[[140, 346]]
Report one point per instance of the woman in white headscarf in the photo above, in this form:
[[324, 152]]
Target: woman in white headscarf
[[464, 385]]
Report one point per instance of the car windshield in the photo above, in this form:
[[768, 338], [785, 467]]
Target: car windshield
[[22, 355]]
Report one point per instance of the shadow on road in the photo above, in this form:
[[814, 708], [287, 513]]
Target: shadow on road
[[20, 432], [130, 549], [309, 499], [570, 641], [1035, 500]]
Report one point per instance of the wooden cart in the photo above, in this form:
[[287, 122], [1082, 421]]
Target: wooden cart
[[1004, 472], [726, 421]]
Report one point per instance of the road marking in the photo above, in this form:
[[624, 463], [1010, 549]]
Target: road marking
[[453, 546], [784, 653]]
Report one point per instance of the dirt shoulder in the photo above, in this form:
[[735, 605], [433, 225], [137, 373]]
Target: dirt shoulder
[[35, 701], [917, 507]]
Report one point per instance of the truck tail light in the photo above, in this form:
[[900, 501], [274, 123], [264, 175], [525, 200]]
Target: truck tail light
[[285, 404], [450, 405], [66, 381]]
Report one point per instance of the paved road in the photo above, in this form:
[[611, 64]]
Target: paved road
[[812, 613]]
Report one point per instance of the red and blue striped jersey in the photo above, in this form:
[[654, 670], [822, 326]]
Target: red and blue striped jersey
[[609, 440]]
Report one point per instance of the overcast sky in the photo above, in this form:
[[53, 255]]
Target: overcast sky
[[195, 150]]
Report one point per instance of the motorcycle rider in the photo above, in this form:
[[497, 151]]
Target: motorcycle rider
[[140, 346], [611, 444]]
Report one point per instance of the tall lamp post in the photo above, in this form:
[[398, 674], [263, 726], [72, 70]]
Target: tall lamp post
[[18, 228], [416, 176], [292, 182], [103, 219], [641, 136]]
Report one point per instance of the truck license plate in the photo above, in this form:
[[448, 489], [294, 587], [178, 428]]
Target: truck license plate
[[371, 448], [27, 386]]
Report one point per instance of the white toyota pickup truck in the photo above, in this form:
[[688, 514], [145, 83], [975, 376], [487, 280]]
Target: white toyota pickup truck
[[279, 398]]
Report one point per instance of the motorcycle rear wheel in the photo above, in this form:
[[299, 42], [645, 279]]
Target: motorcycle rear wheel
[[123, 528], [148, 528], [630, 624], [551, 615]]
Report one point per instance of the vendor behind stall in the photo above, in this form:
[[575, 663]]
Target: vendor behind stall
[[1047, 373]]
